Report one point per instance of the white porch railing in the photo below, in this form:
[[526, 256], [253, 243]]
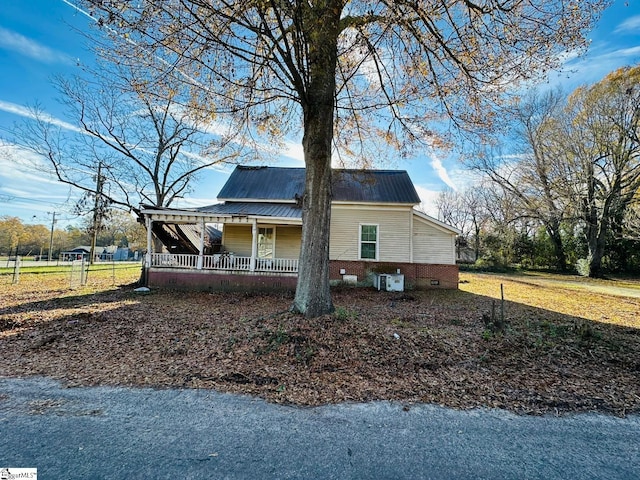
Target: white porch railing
[[287, 265], [177, 260], [224, 262]]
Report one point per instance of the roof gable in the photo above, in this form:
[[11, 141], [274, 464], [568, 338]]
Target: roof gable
[[286, 184], [434, 222]]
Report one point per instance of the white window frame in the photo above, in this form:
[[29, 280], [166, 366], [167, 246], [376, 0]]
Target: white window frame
[[377, 242]]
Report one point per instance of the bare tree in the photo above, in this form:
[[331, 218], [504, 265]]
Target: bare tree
[[579, 162], [346, 71], [534, 177], [599, 135], [144, 145], [465, 210], [631, 221]]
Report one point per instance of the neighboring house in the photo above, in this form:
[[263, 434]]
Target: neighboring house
[[77, 253], [105, 254], [374, 229], [121, 254]]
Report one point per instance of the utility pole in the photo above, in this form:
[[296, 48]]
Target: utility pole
[[53, 223], [96, 215], [33, 219]]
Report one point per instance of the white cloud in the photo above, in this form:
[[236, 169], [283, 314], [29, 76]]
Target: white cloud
[[594, 67], [15, 109], [428, 200], [27, 188], [294, 151], [569, 56], [23, 111], [632, 52], [23, 167], [631, 25], [437, 165], [24, 46]]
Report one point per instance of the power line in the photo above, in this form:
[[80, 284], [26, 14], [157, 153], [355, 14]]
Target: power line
[[9, 198]]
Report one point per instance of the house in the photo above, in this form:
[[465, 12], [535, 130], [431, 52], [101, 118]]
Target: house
[[375, 228], [104, 254], [77, 253]]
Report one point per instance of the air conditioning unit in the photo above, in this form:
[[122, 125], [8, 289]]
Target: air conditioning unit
[[390, 282]]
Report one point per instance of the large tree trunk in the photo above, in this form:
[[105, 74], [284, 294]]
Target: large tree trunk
[[596, 239], [599, 222], [313, 296], [553, 229]]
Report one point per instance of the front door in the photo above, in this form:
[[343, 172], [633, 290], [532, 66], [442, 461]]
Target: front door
[[266, 242]]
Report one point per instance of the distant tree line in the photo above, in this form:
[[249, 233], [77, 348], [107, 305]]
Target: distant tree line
[[570, 198], [19, 238]]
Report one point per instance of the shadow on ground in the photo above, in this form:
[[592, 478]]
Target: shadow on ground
[[412, 347]]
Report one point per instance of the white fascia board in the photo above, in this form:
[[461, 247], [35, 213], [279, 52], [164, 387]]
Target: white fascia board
[[189, 218], [276, 220], [436, 223], [256, 200], [181, 216], [177, 216], [157, 214], [373, 205]]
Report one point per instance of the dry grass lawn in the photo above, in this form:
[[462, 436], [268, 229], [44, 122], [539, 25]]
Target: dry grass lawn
[[565, 347]]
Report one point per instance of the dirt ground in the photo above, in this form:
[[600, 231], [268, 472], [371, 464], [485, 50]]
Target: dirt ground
[[559, 350]]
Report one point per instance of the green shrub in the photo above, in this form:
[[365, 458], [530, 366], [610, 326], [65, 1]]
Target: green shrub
[[582, 266]]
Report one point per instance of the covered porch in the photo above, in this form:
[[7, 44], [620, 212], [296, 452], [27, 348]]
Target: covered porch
[[248, 242], [223, 262]]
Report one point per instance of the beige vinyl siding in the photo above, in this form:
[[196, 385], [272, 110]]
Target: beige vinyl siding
[[237, 239], [431, 244], [394, 231], [288, 240]]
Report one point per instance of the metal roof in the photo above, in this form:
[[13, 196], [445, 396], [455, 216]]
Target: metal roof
[[280, 210], [263, 183], [378, 186], [287, 184]]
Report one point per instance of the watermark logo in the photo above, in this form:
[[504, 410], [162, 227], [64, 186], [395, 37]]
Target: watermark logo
[[18, 474]]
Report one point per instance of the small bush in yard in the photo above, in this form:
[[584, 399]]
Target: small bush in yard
[[582, 267]]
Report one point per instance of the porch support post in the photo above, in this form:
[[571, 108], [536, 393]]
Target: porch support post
[[201, 246], [149, 223], [254, 244]]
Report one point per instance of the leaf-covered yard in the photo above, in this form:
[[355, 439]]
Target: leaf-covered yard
[[565, 348]]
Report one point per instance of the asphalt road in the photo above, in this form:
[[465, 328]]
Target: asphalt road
[[123, 433]]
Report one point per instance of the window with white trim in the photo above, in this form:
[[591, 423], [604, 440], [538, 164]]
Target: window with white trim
[[368, 242]]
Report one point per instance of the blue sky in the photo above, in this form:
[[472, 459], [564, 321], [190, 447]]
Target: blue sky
[[38, 40]]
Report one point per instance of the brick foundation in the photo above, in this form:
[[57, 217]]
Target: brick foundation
[[210, 281], [416, 275]]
